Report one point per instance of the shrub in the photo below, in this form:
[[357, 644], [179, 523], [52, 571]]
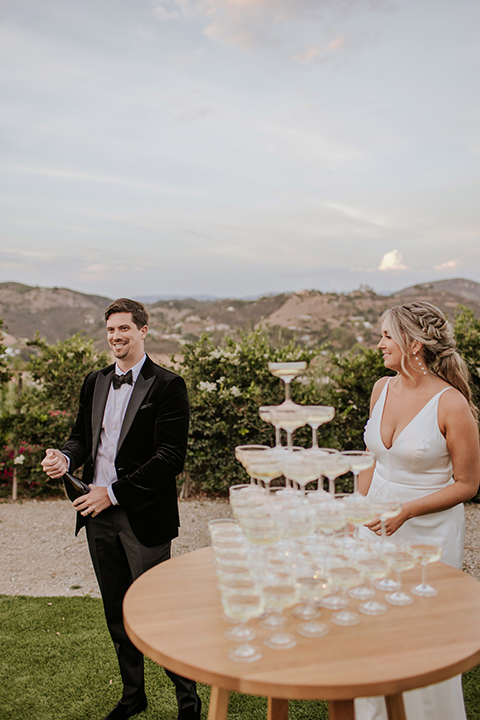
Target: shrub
[[226, 386], [39, 412]]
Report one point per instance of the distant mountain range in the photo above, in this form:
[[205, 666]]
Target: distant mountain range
[[310, 316]]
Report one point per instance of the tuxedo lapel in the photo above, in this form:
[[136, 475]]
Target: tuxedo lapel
[[100, 394], [142, 386]]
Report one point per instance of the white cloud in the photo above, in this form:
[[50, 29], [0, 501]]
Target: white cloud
[[360, 214], [194, 114], [392, 260], [97, 269], [449, 265], [186, 60], [276, 23], [162, 13], [319, 52], [336, 43], [309, 54], [312, 146], [86, 177]]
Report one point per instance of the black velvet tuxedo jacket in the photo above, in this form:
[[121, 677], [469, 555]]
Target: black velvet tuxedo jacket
[[151, 448]]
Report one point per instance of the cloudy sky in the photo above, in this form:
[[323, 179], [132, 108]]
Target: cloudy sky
[[239, 147]]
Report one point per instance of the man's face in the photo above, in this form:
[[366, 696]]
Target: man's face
[[125, 339]]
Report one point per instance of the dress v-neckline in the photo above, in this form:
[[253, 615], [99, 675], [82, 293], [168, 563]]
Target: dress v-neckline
[[411, 421]]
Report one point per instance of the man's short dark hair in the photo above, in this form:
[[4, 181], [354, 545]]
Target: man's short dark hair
[[139, 314]]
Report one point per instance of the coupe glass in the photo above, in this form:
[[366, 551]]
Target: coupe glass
[[358, 511], [329, 516], [265, 412], [385, 510], [336, 598], [235, 583], [288, 417], [297, 518], [261, 462], [358, 460], [231, 560], [243, 498], [318, 415], [312, 587], [426, 553], [301, 466], [242, 453], [228, 542], [242, 607], [306, 580], [261, 527], [401, 559], [224, 527], [345, 576], [287, 371], [373, 568], [279, 592], [357, 554], [333, 464]]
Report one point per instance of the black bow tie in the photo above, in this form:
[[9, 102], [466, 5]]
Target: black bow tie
[[119, 380]]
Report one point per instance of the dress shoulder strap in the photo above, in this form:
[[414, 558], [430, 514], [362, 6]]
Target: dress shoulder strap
[[381, 398]]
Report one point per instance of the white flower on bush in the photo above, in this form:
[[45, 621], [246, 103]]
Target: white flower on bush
[[303, 380], [216, 354], [205, 386], [227, 393], [19, 460], [227, 355]]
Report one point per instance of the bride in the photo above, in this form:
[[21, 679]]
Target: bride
[[423, 433]]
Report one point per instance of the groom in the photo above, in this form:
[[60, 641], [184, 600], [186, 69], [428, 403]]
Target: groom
[[131, 437]]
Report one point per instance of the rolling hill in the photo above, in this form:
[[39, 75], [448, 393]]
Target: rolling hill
[[310, 316]]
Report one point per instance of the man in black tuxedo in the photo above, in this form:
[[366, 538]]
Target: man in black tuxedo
[[130, 435]]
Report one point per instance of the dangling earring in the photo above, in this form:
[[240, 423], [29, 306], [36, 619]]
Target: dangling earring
[[421, 366]]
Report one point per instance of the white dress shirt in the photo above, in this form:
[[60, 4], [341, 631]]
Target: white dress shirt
[[117, 402]]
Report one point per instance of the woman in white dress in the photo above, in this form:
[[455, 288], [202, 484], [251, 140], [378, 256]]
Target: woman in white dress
[[423, 432]]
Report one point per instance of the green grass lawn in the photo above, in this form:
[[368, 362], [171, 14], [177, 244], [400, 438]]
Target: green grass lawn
[[58, 663]]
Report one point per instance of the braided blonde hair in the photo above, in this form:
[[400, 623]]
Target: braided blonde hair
[[423, 322]]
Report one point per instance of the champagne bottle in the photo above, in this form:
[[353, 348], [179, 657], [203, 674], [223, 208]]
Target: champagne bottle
[[74, 487]]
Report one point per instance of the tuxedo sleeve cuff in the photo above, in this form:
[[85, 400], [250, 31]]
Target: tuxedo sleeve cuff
[[111, 495], [68, 460]]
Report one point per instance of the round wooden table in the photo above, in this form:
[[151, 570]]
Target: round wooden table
[[173, 615]]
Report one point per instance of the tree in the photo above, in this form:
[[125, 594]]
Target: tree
[[467, 335], [5, 373], [42, 411], [351, 379], [59, 370]]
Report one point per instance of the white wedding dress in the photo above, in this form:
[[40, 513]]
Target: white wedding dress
[[417, 464]]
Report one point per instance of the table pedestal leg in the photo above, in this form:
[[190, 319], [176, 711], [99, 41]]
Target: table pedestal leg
[[218, 704], [277, 709], [341, 710], [395, 707]]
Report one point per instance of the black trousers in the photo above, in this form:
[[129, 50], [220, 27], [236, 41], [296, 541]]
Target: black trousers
[[118, 559]]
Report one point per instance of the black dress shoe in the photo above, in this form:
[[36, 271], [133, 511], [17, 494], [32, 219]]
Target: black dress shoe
[[122, 711], [191, 713]]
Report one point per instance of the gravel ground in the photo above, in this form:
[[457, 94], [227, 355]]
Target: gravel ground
[[42, 557]]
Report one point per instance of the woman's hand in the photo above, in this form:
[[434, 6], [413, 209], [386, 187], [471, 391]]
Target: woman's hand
[[391, 524]]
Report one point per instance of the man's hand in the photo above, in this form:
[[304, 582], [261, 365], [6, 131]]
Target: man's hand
[[54, 463], [93, 503]]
